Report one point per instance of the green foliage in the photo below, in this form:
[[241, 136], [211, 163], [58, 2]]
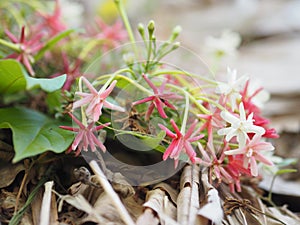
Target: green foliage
[[14, 78], [33, 132]]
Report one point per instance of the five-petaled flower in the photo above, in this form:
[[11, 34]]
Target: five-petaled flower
[[85, 136], [251, 153], [95, 100], [159, 99], [240, 127], [26, 48], [181, 142]]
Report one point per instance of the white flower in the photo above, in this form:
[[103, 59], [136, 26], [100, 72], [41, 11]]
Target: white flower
[[226, 45], [232, 88], [240, 127]]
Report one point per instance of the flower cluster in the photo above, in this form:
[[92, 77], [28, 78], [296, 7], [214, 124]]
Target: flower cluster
[[216, 124]]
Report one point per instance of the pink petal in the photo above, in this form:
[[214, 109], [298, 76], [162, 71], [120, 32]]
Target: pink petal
[[102, 126], [253, 167], [196, 138], [261, 158], [149, 111], [154, 88], [175, 128], [113, 107], [168, 104], [170, 149], [190, 151], [11, 36], [99, 143], [160, 109], [179, 147], [168, 132], [147, 99], [77, 140], [107, 92], [82, 102], [89, 86], [77, 121], [191, 129]]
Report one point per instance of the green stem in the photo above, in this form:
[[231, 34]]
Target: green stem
[[178, 72], [120, 6], [10, 45], [119, 76], [271, 188], [186, 113], [83, 116], [199, 106]]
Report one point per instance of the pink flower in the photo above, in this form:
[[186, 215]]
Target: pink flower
[[53, 22], [112, 35], [224, 169], [181, 142], [85, 136], [26, 49], [251, 153], [72, 71], [95, 100], [159, 99]]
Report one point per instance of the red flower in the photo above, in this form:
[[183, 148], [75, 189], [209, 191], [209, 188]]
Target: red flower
[[159, 99], [53, 23], [26, 48], [85, 136], [181, 142]]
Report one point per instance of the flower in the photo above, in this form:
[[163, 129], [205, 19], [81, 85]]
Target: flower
[[72, 72], [85, 136], [53, 22], [226, 45], [251, 153], [181, 142], [112, 35], [95, 100], [159, 99], [232, 88], [26, 48], [240, 127]]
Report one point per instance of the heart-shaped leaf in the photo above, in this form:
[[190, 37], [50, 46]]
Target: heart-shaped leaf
[[14, 78], [33, 132]]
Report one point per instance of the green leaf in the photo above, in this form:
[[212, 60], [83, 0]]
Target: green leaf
[[48, 85], [52, 42], [14, 78], [33, 132], [283, 171], [11, 77]]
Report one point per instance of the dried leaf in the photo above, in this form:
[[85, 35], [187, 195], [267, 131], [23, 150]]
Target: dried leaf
[[188, 198], [9, 172], [46, 204], [172, 193], [158, 202], [148, 218], [212, 208], [287, 219]]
